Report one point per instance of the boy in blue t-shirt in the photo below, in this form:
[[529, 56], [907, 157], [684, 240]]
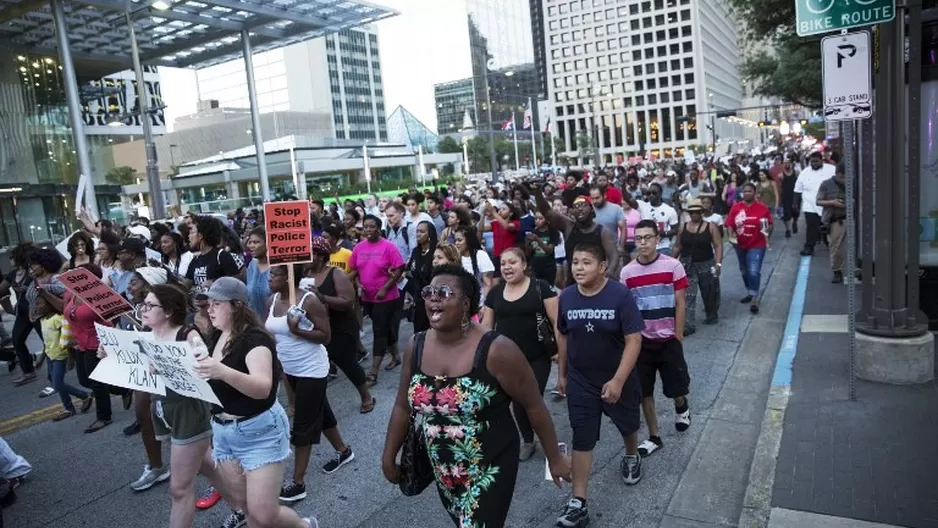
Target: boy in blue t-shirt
[[600, 339]]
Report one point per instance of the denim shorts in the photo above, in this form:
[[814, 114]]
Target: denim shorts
[[256, 442]]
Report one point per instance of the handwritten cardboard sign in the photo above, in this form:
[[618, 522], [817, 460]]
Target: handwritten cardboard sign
[[124, 366], [289, 237], [175, 363], [105, 302]]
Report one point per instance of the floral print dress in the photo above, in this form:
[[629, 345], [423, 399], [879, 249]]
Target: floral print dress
[[471, 438]]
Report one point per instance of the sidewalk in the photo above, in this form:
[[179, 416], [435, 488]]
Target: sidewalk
[[873, 459]]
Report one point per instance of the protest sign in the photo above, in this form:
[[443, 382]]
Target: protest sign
[[105, 302], [124, 366], [62, 247], [289, 237], [175, 363]]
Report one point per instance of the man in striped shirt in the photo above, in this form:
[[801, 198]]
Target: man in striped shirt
[[658, 283]]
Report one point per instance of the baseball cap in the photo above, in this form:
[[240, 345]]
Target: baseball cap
[[133, 245], [140, 231], [228, 289], [153, 275]]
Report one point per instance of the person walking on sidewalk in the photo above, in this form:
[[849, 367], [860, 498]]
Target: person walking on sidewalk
[[658, 283], [832, 196], [699, 248], [750, 225], [599, 337], [806, 191]]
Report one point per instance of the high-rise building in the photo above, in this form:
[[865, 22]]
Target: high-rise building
[[640, 76], [339, 73], [503, 52], [453, 99]]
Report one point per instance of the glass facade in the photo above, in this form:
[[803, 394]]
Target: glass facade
[[405, 129], [356, 85], [454, 100], [504, 59]]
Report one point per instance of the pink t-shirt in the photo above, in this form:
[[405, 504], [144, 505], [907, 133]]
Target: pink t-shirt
[[632, 218], [374, 261]]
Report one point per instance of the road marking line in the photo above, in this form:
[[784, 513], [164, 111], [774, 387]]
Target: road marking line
[[28, 420], [789, 347]]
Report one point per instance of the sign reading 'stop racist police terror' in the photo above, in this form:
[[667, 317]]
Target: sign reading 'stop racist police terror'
[[289, 236]]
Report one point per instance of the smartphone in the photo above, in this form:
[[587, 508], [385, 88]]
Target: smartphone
[[563, 452]]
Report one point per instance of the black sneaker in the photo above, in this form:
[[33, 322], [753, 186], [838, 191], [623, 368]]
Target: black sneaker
[[631, 467], [807, 252], [794, 228], [237, 519], [838, 277], [131, 429], [293, 492], [340, 460], [787, 233], [681, 420], [746, 300], [711, 320], [575, 515]]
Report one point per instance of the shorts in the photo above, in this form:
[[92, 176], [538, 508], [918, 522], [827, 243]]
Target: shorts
[[586, 407], [311, 411], [254, 442], [181, 420], [666, 357]]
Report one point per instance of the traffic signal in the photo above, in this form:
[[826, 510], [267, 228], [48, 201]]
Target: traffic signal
[[761, 124]]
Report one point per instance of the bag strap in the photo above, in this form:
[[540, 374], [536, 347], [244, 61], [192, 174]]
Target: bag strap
[[303, 299], [419, 339]]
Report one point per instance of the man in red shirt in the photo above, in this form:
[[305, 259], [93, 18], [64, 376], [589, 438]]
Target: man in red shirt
[[750, 226], [612, 194]]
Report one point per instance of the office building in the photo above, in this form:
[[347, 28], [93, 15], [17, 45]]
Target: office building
[[503, 54], [338, 73], [453, 99], [641, 76]]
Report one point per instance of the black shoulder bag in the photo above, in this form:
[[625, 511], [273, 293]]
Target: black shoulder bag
[[545, 329], [416, 469]]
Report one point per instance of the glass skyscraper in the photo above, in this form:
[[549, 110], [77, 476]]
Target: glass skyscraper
[[504, 54]]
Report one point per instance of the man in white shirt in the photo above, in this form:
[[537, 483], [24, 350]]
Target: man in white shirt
[[806, 188], [661, 213], [414, 217]]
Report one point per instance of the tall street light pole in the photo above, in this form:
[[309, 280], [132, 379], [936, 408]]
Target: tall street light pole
[[488, 106]]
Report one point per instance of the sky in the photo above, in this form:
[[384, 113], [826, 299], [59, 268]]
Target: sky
[[428, 43]]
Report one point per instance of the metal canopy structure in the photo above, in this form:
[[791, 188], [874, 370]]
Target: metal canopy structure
[[180, 34]]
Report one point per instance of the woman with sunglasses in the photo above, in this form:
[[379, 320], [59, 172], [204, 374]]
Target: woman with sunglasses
[[250, 429], [462, 378]]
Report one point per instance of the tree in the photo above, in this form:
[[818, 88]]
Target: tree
[[788, 66], [123, 175], [584, 146], [448, 145]]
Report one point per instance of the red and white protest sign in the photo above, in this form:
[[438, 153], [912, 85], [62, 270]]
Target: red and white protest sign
[[105, 302], [289, 236]]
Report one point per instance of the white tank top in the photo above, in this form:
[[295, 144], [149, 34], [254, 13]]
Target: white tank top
[[300, 357]]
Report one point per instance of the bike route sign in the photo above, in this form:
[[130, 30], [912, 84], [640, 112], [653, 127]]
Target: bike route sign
[[816, 17]]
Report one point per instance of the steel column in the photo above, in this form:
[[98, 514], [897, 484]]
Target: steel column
[[72, 99], [916, 317], [153, 169], [488, 106], [867, 240], [255, 116]]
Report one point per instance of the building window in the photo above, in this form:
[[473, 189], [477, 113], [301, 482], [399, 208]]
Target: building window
[[688, 78], [690, 93], [688, 47], [689, 62], [677, 96]]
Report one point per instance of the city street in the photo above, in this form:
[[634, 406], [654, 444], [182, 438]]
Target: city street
[[698, 479]]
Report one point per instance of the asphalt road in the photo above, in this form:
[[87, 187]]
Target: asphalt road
[[82, 480]]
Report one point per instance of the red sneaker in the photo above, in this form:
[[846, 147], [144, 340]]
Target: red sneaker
[[209, 499]]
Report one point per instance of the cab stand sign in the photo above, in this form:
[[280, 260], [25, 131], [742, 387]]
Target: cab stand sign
[[816, 17], [845, 62]]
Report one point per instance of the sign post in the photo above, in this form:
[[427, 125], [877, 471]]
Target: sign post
[[816, 17], [848, 96]]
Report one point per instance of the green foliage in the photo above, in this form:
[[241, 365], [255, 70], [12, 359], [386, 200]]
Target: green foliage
[[479, 157], [121, 176], [788, 67], [448, 145], [584, 145]]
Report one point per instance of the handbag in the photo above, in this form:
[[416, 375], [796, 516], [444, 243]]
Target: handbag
[[416, 468], [545, 330]]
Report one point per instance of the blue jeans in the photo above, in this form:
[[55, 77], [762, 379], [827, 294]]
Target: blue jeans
[[57, 370], [750, 266]]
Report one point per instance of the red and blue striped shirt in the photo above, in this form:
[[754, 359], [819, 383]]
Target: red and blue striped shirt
[[653, 285]]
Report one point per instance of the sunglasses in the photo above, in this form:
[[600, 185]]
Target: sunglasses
[[441, 292]]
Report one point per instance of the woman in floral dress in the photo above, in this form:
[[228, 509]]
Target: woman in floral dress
[[461, 380]]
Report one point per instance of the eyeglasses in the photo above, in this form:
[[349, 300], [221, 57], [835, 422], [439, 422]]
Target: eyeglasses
[[645, 238], [441, 292], [146, 307]]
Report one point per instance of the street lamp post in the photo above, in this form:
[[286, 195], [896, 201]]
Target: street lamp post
[[488, 106], [597, 91]]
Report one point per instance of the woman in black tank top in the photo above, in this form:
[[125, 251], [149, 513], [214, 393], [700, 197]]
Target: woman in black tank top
[[334, 289], [699, 247]]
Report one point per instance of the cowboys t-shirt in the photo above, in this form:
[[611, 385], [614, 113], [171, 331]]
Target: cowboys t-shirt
[[211, 266], [596, 327]]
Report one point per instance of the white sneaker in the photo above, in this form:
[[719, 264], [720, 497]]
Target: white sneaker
[[682, 420], [150, 477], [312, 522]]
